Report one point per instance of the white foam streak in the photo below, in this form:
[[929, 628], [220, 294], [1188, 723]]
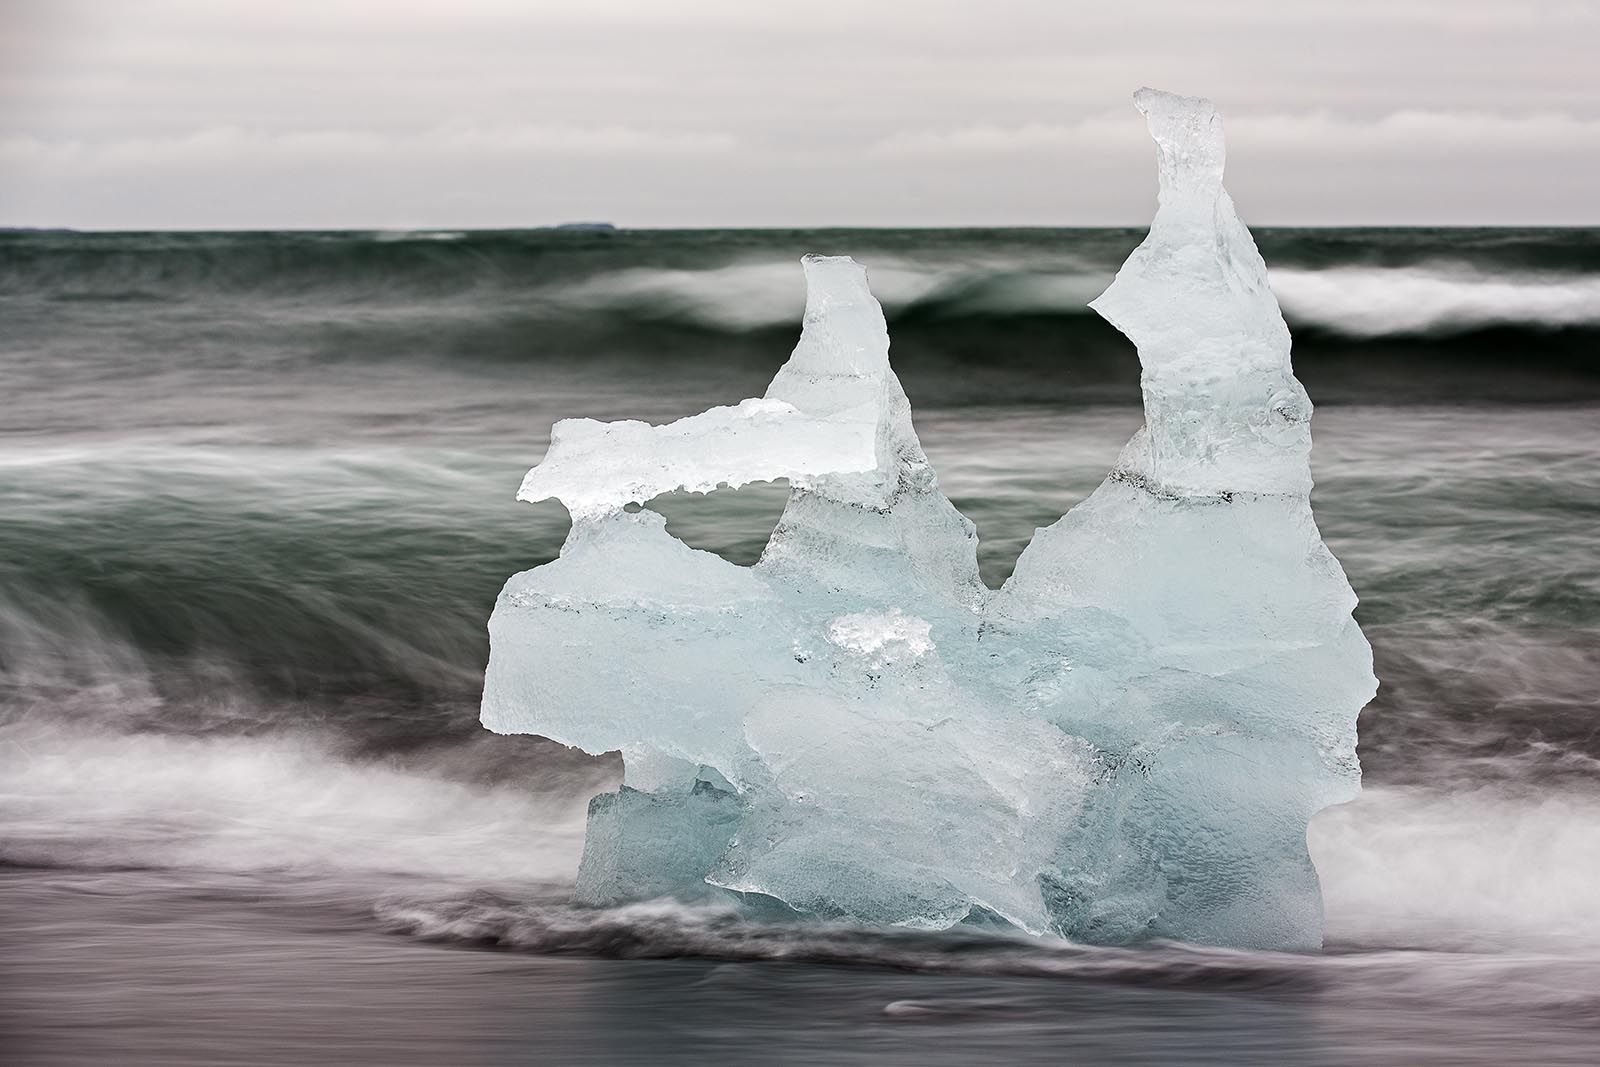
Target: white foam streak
[[739, 296], [1477, 869], [1401, 867], [251, 804], [1371, 302], [750, 295]]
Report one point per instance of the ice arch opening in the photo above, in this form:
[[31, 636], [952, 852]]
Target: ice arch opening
[[1125, 741], [735, 524]]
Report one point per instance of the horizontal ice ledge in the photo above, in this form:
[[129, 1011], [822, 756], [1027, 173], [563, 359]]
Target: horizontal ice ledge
[[599, 467]]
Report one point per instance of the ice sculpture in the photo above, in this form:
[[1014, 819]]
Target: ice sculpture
[[1124, 742]]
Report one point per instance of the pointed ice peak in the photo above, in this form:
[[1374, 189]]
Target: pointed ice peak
[[1223, 411], [843, 331], [1190, 148], [840, 369], [834, 280]]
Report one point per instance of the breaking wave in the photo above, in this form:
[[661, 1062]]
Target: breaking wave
[[288, 802], [1429, 301], [1354, 302], [1380, 317], [1362, 284], [1403, 870]]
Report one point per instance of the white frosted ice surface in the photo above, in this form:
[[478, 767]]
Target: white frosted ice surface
[[885, 637], [596, 467], [1125, 742]]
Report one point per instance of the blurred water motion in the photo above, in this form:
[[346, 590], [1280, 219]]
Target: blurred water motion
[[256, 502]]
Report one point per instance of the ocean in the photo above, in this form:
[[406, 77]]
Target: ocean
[[256, 501]]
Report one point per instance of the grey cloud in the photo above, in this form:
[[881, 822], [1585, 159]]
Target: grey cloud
[[715, 112]]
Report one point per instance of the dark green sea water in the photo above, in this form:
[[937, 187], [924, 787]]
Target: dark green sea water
[[256, 502]]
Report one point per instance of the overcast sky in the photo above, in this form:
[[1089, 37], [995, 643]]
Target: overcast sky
[[474, 113]]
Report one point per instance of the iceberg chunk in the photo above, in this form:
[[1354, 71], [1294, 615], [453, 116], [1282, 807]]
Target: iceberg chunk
[[1126, 741]]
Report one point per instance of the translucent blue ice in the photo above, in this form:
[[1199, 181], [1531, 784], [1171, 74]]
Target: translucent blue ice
[[1124, 742]]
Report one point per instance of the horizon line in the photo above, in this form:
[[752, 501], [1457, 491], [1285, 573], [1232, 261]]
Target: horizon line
[[598, 227]]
